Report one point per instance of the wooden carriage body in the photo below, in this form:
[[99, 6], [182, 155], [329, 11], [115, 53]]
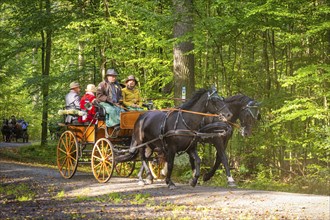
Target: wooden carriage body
[[98, 145], [88, 133]]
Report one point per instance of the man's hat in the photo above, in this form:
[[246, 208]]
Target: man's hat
[[131, 77], [90, 88], [74, 85], [111, 72]]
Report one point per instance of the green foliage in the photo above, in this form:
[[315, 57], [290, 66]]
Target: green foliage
[[182, 170], [311, 183]]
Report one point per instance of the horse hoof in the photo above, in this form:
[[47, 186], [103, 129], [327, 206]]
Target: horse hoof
[[232, 184], [192, 183], [141, 183], [148, 182], [171, 187]]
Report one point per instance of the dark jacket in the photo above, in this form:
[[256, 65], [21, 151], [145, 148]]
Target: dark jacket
[[109, 92]]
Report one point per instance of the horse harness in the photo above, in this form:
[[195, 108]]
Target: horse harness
[[253, 110], [183, 132], [188, 132]]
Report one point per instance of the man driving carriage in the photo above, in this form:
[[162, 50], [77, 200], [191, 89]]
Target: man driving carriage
[[109, 95]]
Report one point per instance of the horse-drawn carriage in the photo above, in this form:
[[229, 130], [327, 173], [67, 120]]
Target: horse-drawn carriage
[[98, 145], [14, 131], [151, 134]]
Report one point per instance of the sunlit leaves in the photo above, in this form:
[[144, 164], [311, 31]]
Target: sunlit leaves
[[299, 109], [312, 76]]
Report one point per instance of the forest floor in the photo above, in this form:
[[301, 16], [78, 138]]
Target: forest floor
[[29, 191]]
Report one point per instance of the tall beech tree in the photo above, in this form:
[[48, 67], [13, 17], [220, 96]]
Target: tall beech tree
[[183, 64]]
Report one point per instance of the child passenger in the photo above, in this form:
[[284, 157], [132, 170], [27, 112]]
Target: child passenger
[[86, 104]]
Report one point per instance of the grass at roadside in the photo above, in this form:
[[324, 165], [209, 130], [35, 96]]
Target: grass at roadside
[[297, 184], [21, 192], [31, 154]]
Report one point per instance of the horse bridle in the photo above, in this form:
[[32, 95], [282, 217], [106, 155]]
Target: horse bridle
[[248, 108], [254, 115], [215, 95]]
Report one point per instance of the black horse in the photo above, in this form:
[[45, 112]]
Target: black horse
[[175, 131], [243, 108], [6, 130]]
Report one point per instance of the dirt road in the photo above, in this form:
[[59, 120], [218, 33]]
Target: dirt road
[[13, 144], [121, 198]]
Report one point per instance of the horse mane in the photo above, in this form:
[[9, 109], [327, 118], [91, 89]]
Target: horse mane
[[197, 95], [239, 98]]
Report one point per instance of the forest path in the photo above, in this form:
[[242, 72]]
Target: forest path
[[121, 198]]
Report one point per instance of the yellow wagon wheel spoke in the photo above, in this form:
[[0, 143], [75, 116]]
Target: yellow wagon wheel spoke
[[125, 169], [102, 160], [61, 150], [67, 154]]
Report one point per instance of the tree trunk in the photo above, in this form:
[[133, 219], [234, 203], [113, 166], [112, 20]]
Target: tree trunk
[[46, 52], [183, 65], [266, 63], [81, 59]]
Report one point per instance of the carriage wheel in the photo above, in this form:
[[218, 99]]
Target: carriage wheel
[[67, 154], [156, 164], [125, 169], [102, 160]]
